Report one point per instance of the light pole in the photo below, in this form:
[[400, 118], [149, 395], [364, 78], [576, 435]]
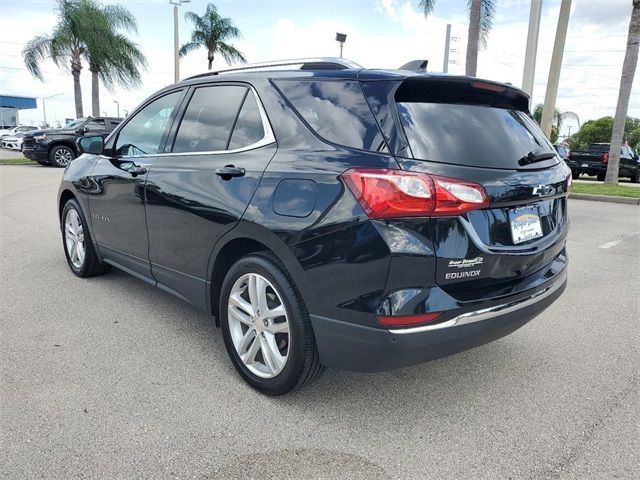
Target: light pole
[[44, 106], [447, 46], [341, 37], [176, 42], [117, 107]]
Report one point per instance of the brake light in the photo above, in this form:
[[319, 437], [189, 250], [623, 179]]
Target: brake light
[[492, 87], [408, 320], [397, 193], [605, 157]]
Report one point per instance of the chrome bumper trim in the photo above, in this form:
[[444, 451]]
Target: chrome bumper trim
[[487, 313]]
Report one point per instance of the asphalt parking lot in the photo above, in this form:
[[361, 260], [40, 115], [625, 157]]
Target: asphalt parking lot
[[111, 378]]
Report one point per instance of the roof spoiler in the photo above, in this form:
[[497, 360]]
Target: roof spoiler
[[415, 66]]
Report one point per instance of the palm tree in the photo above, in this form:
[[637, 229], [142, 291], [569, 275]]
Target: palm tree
[[66, 44], [87, 30], [212, 32], [626, 81], [481, 13], [111, 56]]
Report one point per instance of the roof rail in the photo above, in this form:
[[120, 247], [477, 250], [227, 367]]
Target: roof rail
[[320, 63]]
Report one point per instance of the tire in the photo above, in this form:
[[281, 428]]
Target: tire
[[301, 365], [575, 175], [635, 178], [61, 155], [601, 177], [83, 265], [43, 163]]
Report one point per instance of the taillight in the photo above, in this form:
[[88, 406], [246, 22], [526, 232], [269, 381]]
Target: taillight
[[408, 320], [605, 157], [397, 193]]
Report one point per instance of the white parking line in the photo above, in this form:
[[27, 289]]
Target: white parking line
[[613, 243]]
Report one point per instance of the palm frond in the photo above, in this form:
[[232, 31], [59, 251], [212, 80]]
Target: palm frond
[[230, 53], [189, 47], [35, 52], [427, 6], [487, 13]]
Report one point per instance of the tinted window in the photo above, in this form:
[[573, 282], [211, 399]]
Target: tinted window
[[143, 133], [336, 110], [95, 126], [470, 134], [248, 128], [208, 120]]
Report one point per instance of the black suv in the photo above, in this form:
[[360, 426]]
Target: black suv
[[329, 215], [57, 146]]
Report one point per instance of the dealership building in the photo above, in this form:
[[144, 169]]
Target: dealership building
[[10, 107]]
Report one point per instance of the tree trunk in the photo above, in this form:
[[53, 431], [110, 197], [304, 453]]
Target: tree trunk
[[473, 39], [210, 58], [95, 94], [626, 81], [76, 68]]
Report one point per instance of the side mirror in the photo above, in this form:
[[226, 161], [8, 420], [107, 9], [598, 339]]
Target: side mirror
[[93, 145]]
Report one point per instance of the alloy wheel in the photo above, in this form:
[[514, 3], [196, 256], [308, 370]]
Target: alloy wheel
[[259, 325], [74, 238], [63, 156]]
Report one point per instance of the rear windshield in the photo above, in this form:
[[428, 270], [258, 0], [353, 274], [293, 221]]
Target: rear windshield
[[598, 147], [474, 135]]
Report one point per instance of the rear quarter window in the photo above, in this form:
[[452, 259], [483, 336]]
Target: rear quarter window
[[336, 110]]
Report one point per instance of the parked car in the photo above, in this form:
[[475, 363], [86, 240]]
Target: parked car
[[12, 142], [595, 160], [15, 130], [563, 151], [329, 215], [57, 146]]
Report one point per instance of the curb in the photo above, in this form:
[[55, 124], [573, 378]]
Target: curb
[[605, 198]]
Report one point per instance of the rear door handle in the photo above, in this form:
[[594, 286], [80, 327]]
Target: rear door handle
[[230, 171]]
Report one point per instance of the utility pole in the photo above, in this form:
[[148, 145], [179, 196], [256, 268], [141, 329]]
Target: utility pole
[[176, 45], [554, 70], [447, 43], [176, 41], [532, 48], [118, 106]]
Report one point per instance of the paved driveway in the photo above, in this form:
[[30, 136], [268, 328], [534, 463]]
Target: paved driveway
[[111, 378]]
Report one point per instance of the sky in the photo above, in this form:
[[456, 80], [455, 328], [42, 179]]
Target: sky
[[381, 33]]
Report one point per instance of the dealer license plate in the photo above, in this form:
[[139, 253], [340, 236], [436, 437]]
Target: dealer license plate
[[525, 224]]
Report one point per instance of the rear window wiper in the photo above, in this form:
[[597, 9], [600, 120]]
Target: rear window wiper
[[536, 157]]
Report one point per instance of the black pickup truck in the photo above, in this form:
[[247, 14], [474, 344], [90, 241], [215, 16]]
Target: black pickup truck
[[595, 159], [57, 146]]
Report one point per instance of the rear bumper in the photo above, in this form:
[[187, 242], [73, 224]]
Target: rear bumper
[[364, 349]]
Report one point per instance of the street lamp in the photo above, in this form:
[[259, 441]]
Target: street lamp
[[44, 107], [176, 46], [118, 108], [341, 37]]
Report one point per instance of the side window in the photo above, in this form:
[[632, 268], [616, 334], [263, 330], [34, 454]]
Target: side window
[[248, 129], [95, 126], [143, 133], [337, 111], [113, 124], [208, 120]]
